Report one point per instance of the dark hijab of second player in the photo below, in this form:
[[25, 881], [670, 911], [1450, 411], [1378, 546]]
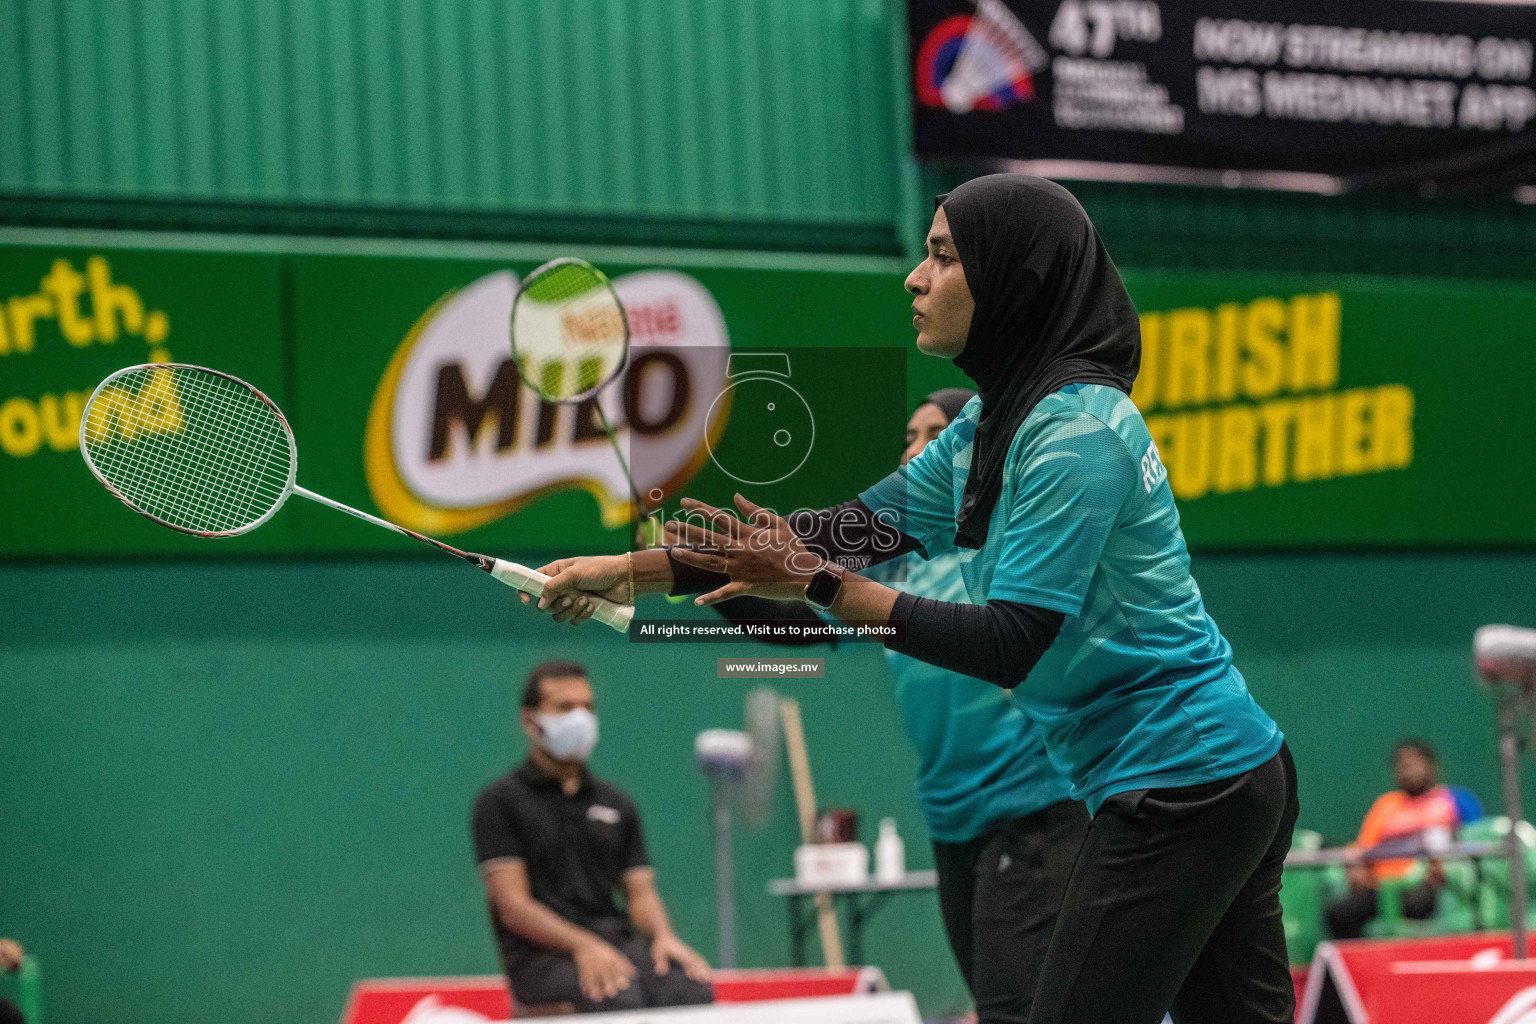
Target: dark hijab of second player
[[950, 401], [1050, 311]]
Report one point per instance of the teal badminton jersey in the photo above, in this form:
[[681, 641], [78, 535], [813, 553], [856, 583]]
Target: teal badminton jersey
[[981, 760], [1138, 691]]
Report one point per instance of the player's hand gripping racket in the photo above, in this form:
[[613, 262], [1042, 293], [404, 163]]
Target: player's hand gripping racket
[[207, 454]]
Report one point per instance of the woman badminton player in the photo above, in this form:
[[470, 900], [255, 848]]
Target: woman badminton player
[[1005, 832], [1084, 605]]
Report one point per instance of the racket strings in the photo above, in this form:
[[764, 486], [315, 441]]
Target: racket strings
[[569, 334], [211, 487], [194, 449], [252, 465], [160, 481]]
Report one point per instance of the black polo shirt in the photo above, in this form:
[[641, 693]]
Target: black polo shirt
[[574, 847]]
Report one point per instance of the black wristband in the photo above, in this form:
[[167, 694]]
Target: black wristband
[[690, 579]]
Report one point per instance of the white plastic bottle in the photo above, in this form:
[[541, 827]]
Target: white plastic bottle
[[890, 854]]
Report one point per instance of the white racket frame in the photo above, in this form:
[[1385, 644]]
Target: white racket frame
[[293, 451], [514, 575]]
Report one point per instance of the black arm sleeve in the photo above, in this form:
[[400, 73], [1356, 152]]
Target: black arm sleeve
[[690, 579], [998, 642], [760, 609], [849, 534]]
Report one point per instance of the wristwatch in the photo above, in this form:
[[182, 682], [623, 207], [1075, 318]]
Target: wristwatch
[[822, 590]]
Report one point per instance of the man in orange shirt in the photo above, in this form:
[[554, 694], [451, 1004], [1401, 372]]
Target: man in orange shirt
[[1419, 812]]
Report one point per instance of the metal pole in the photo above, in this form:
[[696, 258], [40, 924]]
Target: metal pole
[[1514, 848], [912, 214], [725, 875], [798, 926]]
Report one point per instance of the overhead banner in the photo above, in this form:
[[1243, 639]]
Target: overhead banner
[[1299, 412], [1308, 95], [397, 377], [69, 317], [1288, 411], [406, 383]]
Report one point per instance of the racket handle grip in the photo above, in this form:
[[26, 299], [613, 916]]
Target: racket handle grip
[[525, 579]]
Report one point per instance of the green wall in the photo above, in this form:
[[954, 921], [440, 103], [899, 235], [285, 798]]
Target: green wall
[[645, 119], [766, 124], [231, 789]]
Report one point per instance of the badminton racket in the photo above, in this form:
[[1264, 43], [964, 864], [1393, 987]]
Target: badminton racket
[[207, 454], [570, 337]]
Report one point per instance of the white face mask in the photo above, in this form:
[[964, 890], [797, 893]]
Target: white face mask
[[568, 737]]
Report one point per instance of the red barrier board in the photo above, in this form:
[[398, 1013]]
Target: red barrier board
[[1464, 979], [796, 983], [1452, 993], [468, 1000], [396, 1000]]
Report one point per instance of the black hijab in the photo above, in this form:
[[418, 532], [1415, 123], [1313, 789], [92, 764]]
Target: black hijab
[[1050, 311]]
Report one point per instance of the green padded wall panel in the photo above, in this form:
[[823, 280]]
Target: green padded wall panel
[[778, 110]]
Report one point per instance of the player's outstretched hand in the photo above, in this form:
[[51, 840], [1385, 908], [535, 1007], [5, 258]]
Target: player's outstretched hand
[[574, 581], [761, 555]]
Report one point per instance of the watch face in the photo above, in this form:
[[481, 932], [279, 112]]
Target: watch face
[[823, 588]]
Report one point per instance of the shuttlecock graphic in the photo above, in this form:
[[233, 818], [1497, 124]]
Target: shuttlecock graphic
[[996, 54], [432, 1011], [1521, 1009], [772, 429]]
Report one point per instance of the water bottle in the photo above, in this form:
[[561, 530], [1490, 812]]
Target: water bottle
[[890, 854]]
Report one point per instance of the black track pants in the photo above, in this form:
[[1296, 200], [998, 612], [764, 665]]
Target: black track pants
[[1174, 905], [998, 894]]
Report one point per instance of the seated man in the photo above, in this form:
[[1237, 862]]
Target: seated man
[[1419, 810], [553, 843]]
